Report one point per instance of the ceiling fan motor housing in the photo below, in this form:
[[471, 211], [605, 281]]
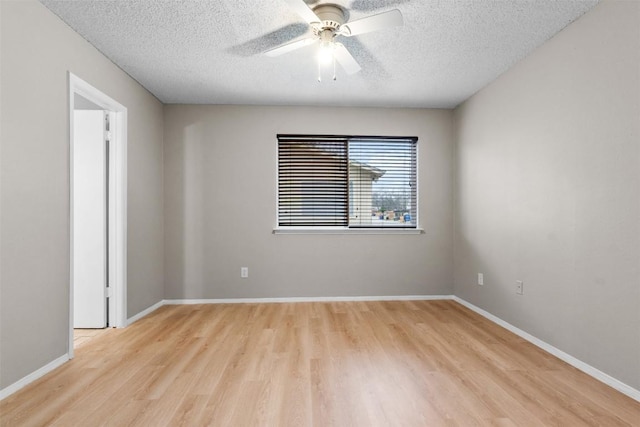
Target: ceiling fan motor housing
[[332, 17]]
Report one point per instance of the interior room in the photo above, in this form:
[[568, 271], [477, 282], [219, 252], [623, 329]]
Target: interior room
[[502, 289]]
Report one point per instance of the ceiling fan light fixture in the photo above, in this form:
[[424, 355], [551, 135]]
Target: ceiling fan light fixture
[[326, 58], [325, 54]]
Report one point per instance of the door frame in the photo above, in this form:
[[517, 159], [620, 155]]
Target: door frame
[[117, 222]]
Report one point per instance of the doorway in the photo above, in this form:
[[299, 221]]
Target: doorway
[[98, 142], [91, 141]]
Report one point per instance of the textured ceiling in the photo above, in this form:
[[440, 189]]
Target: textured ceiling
[[210, 51]]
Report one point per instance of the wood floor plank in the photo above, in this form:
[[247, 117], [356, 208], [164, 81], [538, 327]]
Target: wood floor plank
[[409, 363]]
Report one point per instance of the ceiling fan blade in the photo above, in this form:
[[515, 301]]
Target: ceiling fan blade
[[392, 18], [371, 5], [270, 40], [289, 47], [344, 58], [371, 66], [301, 8]]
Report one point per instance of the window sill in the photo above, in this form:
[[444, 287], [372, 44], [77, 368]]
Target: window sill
[[340, 230]]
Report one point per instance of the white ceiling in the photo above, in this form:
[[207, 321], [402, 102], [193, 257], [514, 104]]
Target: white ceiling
[[210, 51]]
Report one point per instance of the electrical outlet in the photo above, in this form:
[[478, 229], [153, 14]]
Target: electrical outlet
[[480, 279], [244, 272], [519, 287]]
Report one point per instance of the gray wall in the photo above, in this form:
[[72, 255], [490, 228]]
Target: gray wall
[[548, 191], [220, 208], [37, 50]]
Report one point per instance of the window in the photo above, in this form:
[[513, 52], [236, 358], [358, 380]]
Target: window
[[347, 181]]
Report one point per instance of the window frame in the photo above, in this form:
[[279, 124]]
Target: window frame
[[313, 229]]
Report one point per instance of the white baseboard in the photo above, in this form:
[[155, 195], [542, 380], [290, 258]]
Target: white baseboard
[[144, 312], [308, 299], [576, 363], [5, 392]]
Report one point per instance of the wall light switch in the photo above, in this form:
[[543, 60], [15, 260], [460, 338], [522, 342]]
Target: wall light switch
[[480, 279], [244, 272], [519, 287]]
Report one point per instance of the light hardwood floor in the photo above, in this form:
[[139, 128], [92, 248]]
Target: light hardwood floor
[[415, 363], [83, 336]]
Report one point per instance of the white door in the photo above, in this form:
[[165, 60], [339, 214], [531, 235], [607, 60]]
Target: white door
[[89, 220]]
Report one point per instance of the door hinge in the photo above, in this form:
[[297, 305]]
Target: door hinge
[[108, 292]]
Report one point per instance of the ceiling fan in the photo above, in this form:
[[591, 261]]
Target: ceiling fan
[[329, 21]]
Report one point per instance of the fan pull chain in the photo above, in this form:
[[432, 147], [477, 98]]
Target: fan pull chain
[[334, 68], [319, 72]]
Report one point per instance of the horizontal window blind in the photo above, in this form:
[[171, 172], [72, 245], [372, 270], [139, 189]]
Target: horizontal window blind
[[312, 181], [347, 181], [382, 173]]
